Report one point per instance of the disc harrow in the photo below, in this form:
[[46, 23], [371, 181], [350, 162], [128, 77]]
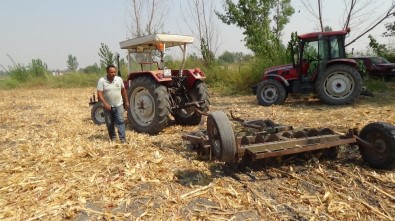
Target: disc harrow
[[261, 139]]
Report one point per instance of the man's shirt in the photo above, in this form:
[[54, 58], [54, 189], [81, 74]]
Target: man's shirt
[[111, 90]]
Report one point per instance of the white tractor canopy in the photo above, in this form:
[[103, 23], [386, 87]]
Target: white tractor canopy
[[157, 42], [149, 42]]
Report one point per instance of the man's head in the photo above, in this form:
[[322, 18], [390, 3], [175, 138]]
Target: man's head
[[111, 72]]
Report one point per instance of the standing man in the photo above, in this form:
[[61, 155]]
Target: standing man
[[111, 93]]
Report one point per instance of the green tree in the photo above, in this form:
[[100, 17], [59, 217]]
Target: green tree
[[293, 47], [38, 68], [283, 11], [381, 50], [256, 18], [106, 56], [378, 49], [91, 69], [207, 54], [390, 30], [233, 57], [227, 57], [72, 63]]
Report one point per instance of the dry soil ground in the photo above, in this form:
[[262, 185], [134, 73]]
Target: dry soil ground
[[56, 164]]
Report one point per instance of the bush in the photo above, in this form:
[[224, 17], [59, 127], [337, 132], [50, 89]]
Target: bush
[[19, 73], [38, 69], [238, 78]]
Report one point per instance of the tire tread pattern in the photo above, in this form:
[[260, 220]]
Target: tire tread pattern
[[162, 105], [388, 132], [227, 150]]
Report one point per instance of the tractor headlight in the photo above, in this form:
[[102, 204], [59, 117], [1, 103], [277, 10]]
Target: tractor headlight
[[166, 72]]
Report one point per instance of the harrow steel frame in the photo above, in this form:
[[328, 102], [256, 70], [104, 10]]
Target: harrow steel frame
[[264, 139]]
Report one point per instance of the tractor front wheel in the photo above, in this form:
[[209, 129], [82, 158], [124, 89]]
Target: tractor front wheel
[[339, 84], [189, 115], [149, 105], [270, 92], [382, 137], [221, 137]]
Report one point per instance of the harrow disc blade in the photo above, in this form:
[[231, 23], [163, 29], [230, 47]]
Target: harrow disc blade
[[245, 140], [300, 134], [259, 139], [272, 138], [313, 132]]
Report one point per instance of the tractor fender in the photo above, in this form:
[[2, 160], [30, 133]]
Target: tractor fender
[[345, 61], [192, 76], [278, 77], [156, 75]]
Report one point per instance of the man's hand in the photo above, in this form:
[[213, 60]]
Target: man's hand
[[107, 107], [103, 101], [126, 105]]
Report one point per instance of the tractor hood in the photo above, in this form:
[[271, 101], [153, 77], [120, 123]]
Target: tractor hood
[[277, 69]]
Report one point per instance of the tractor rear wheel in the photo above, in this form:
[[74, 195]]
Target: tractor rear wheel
[[382, 136], [149, 105], [221, 137], [189, 115], [270, 92], [97, 113], [339, 84]]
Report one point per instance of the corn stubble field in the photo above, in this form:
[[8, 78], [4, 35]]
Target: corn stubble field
[[56, 164]]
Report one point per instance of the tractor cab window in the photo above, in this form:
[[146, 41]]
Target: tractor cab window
[[310, 51], [310, 58], [337, 47]]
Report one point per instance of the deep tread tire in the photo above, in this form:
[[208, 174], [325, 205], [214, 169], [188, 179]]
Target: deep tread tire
[[221, 137], [97, 113], [339, 84], [270, 92], [149, 105], [199, 92], [382, 135]]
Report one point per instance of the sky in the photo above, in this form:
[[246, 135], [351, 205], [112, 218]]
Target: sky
[[53, 29]]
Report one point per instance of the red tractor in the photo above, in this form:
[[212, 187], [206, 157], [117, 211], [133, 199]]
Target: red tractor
[[158, 94], [319, 65]]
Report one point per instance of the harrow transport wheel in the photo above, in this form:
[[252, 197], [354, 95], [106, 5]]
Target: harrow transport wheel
[[149, 105], [382, 136], [221, 137], [339, 84], [270, 92], [97, 114], [189, 116]]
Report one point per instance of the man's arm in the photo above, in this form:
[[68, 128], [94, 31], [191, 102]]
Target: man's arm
[[102, 100], [125, 98]]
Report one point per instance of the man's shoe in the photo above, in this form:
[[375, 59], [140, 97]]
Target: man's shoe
[[123, 141]]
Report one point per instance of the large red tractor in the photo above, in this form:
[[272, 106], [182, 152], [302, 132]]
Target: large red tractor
[[319, 66], [158, 94]]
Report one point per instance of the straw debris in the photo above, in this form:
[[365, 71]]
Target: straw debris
[[56, 164]]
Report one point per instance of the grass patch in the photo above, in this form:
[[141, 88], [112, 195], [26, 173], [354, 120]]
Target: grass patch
[[376, 85], [71, 80]]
